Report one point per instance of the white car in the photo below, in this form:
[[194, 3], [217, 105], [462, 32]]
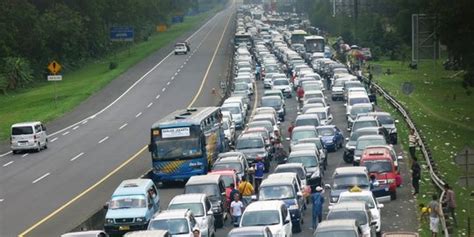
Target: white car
[[180, 48], [273, 214], [200, 206], [367, 197], [325, 118], [179, 222], [28, 136], [283, 85]]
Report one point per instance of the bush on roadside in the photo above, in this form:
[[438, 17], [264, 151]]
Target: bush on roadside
[[113, 65]]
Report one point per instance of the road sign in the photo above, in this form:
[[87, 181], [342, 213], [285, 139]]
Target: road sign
[[407, 88], [55, 77], [54, 67], [161, 28], [121, 33]]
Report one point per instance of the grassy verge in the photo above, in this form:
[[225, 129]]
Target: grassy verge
[[37, 103], [443, 110]]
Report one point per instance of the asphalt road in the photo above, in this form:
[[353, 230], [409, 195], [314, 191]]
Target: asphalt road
[[51, 192]]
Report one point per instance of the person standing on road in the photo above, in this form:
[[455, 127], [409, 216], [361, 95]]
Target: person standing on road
[[259, 170], [450, 201], [290, 128], [246, 189], [373, 182], [317, 200], [435, 214], [236, 210], [300, 95], [257, 71], [412, 143], [415, 176]]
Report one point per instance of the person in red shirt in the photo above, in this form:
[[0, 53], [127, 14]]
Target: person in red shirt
[[300, 94], [290, 128]]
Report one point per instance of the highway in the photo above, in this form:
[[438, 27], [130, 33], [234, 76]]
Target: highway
[[51, 192]]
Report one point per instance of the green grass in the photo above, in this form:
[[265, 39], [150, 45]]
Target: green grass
[[442, 109], [37, 103]]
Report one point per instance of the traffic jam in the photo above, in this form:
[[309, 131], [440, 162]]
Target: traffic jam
[[269, 149]]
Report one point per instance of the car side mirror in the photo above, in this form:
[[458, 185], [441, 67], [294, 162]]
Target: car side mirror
[[210, 213], [327, 186], [106, 206], [287, 220], [373, 223], [347, 139], [380, 205]]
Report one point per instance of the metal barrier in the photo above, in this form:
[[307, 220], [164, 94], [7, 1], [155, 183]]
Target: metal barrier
[[424, 147]]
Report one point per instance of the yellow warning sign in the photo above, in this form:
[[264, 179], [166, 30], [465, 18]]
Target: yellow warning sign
[[161, 28], [54, 67]]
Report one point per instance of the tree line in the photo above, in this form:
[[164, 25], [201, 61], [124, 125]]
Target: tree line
[[385, 26], [34, 32]]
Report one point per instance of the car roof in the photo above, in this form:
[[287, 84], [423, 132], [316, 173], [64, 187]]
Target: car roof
[[188, 198], [132, 187], [365, 118], [230, 153], [203, 179], [229, 159], [274, 97], [340, 224], [282, 176], [303, 128], [90, 233], [303, 153], [290, 165], [249, 230], [326, 126], [271, 92], [249, 135], [370, 137], [26, 124], [307, 116], [349, 206], [350, 170], [300, 146], [148, 233], [379, 114], [170, 214], [265, 205], [358, 193]]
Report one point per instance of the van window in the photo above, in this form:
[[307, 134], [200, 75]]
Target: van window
[[22, 130], [37, 128], [208, 205]]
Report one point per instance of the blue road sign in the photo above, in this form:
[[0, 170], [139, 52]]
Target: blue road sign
[[121, 33]]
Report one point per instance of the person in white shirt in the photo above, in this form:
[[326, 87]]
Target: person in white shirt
[[236, 209]]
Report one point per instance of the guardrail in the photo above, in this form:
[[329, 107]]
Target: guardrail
[[423, 145]]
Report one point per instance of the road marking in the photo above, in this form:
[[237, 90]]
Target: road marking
[[124, 125], [113, 172], [175, 74], [181, 66], [7, 164], [164, 88], [4, 154], [54, 139], [157, 97], [138, 115], [76, 127], [66, 133], [75, 157], [40, 178], [210, 65], [168, 83], [185, 62], [1, 200], [103, 139], [149, 105], [85, 121], [24, 155]]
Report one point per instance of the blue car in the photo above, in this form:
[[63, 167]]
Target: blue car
[[331, 137]]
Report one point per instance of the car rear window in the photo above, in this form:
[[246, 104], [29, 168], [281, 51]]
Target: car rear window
[[22, 130]]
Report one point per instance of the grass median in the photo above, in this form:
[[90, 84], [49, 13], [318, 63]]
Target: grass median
[[442, 109], [38, 102]]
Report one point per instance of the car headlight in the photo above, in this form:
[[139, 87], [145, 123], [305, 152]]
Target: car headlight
[[293, 207], [334, 199], [390, 181], [109, 221], [140, 219], [394, 130]]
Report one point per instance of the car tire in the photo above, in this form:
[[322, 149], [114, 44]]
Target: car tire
[[347, 159], [38, 149], [14, 152], [45, 145], [393, 196], [175, 53]]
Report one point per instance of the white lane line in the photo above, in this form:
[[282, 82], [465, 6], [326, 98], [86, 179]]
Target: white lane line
[[75, 157], [85, 121], [138, 115], [103, 139], [7, 164], [181, 66], [149, 105], [124, 125], [54, 139], [168, 83], [1, 200], [175, 74], [164, 88], [185, 62], [4, 154], [157, 97], [179, 70], [24, 155], [66, 133], [172, 78], [76, 127], [40, 178]]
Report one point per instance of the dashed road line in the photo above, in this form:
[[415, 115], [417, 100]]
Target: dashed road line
[[1, 200], [5, 154], [175, 74], [75, 157], [168, 83], [157, 97], [138, 115], [24, 155], [103, 139], [76, 127], [124, 125], [179, 70], [54, 139], [149, 105], [66, 133], [40, 178], [85, 121], [164, 88], [7, 164], [172, 78]]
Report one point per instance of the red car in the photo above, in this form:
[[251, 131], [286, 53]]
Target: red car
[[379, 163], [229, 177]]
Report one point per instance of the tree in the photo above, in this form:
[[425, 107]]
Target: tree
[[16, 73]]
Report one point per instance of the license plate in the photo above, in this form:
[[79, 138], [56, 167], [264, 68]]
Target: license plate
[[22, 143], [386, 189], [125, 227]]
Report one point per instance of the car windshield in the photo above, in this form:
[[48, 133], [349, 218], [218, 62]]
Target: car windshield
[[378, 166], [126, 202], [281, 82], [307, 161], [271, 102], [305, 122], [358, 134], [249, 143], [174, 226], [297, 135], [263, 133], [261, 218], [297, 171], [228, 179], [241, 87], [336, 233], [349, 181], [326, 131], [362, 100], [177, 148], [196, 207], [360, 110], [312, 86], [22, 130], [321, 115], [276, 192], [209, 189], [385, 120], [241, 80], [228, 166], [259, 124], [363, 143], [364, 124], [231, 109], [367, 199], [360, 216]]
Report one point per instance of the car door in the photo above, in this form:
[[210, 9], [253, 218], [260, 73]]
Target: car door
[[39, 133], [286, 220], [209, 217]]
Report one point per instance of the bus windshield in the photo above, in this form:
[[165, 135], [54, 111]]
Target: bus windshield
[[177, 148], [314, 45]]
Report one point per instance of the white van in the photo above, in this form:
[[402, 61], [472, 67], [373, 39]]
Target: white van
[[28, 136]]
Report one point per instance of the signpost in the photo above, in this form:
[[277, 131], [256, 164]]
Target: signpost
[[54, 67], [465, 160], [121, 34]]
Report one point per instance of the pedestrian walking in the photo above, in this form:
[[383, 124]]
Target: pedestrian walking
[[300, 95], [415, 176], [246, 189], [290, 128], [412, 143], [317, 200], [450, 201], [435, 214], [236, 210], [259, 170], [258, 71]]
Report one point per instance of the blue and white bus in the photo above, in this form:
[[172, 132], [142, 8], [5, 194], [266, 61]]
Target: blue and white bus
[[186, 143]]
